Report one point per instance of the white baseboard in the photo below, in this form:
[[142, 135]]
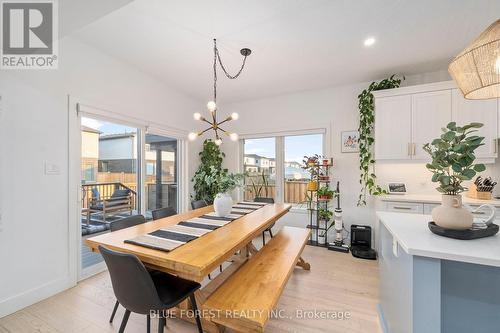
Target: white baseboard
[[34, 295], [92, 270]]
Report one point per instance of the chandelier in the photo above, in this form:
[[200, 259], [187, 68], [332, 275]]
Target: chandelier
[[213, 123]]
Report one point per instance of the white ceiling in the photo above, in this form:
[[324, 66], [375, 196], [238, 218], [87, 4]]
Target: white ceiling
[[297, 44]]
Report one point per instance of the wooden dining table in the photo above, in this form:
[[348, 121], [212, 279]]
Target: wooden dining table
[[196, 259]]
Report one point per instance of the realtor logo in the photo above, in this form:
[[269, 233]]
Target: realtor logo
[[29, 34]]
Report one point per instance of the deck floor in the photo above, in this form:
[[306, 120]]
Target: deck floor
[[336, 282]]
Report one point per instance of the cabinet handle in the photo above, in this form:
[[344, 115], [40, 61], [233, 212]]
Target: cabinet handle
[[408, 148], [413, 149], [402, 208], [494, 146]]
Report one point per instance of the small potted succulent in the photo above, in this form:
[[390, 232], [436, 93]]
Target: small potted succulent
[[326, 161], [324, 193], [453, 163]]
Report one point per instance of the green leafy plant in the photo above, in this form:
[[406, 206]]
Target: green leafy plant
[[366, 125], [208, 173], [325, 192], [310, 164], [257, 187], [325, 214], [453, 157], [229, 182]]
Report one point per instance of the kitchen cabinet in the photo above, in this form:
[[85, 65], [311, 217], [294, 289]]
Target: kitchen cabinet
[[430, 112], [393, 128], [480, 111], [407, 118]]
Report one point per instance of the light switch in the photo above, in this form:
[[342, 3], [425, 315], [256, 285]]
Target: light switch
[[52, 169]]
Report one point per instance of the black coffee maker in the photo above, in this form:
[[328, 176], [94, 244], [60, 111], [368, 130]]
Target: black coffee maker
[[361, 242]]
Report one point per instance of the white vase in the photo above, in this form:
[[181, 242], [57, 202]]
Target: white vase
[[451, 214], [223, 204]]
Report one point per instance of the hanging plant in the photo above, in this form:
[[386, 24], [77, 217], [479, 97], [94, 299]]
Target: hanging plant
[[366, 123]]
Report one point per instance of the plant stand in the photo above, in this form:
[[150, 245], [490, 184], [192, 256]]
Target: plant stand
[[322, 178]]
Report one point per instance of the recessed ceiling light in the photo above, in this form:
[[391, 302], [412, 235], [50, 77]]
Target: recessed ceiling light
[[369, 41]]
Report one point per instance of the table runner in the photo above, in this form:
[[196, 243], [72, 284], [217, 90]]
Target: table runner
[[171, 237]]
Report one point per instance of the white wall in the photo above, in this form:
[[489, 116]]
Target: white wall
[[335, 109], [34, 250]]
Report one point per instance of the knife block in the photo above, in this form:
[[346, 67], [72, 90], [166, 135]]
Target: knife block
[[475, 194]]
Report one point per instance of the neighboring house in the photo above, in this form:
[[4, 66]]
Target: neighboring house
[[90, 154], [258, 164], [118, 154]]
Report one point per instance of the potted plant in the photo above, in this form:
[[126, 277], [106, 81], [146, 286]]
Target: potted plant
[[226, 183], [322, 238], [324, 193], [324, 215], [326, 161], [453, 163], [257, 187]]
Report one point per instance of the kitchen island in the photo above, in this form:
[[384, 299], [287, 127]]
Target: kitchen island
[[431, 284]]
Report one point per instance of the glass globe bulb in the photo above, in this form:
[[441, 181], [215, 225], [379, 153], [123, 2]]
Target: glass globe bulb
[[211, 106], [218, 142], [234, 116], [197, 116], [233, 136], [192, 136]]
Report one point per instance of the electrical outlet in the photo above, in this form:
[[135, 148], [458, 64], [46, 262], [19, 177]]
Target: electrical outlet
[[52, 169]]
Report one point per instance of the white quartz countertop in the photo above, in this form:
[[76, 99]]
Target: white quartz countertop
[[413, 235], [434, 199]]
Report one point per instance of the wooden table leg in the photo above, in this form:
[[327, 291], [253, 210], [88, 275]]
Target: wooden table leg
[[305, 265]]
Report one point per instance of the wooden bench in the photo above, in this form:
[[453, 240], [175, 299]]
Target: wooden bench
[[246, 299]]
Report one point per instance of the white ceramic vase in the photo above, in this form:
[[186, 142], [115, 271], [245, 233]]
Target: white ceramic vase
[[223, 204], [451, 214]]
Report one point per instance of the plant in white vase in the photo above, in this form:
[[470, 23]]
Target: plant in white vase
[[453, 163], [226, 183]]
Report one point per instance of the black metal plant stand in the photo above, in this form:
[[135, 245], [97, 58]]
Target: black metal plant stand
[[322, 178]]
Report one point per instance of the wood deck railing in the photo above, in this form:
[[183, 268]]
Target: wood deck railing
[[106, 190]]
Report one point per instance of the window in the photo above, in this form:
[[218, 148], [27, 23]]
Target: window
[[161, 172], [296, 178], [264, 157], [260, 165]]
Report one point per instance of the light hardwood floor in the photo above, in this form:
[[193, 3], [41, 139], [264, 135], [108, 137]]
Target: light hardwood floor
[[336, 282]]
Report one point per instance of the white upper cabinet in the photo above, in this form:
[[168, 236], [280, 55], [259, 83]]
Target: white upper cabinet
[[407, 118], [393, 128], [430, 112], [479, 111]]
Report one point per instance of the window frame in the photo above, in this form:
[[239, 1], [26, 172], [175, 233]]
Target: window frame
[[280, 157]]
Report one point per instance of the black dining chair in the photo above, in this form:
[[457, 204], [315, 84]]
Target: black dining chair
[[270, 201], [141, 292], [126, 222], [198, 204], [163, 212]]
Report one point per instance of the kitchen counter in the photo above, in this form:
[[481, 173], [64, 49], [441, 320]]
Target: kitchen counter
[[434, 199], [412, 234], [433, 284]]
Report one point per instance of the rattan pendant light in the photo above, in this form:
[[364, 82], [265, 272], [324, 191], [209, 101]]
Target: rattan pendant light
[[477, 69]]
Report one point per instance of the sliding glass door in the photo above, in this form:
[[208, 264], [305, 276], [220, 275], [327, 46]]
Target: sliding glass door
[[161, 176]]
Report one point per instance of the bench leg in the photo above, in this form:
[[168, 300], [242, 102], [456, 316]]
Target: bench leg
[[305, 265]]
